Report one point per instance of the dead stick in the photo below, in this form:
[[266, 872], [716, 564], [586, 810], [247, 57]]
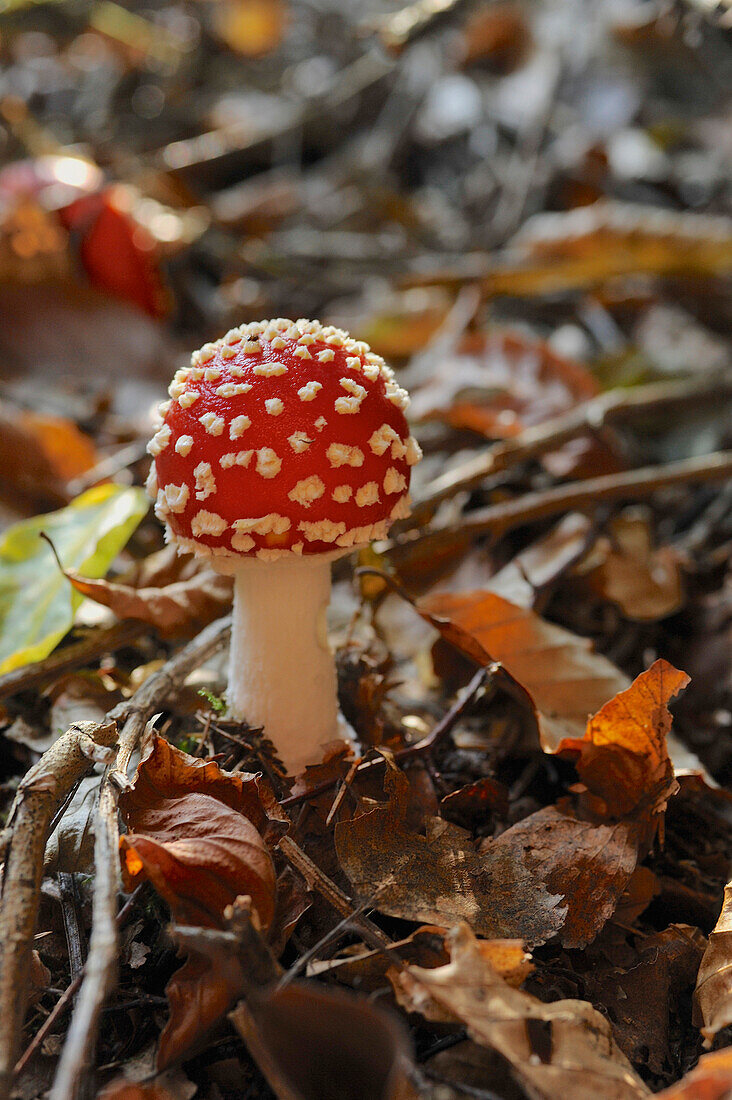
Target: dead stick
[[71, 989], [497, 519], [589, 417], [318, 880], [105, 640], [399, 29], [42, 791], [100, 969]]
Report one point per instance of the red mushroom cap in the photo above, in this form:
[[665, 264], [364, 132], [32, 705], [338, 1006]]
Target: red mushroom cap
[[283, 437]]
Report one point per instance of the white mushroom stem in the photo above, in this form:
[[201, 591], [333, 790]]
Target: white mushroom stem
[[281, 669]]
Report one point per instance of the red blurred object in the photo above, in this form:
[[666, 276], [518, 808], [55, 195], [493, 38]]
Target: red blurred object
[[118, 254]]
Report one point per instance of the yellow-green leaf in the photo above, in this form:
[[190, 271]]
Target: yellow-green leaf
[[37, 604]]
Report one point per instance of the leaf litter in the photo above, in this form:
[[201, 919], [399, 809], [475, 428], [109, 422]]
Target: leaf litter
[[527, 212]]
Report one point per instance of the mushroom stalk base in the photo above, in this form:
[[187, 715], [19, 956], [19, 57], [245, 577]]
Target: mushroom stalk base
[[281, 669]]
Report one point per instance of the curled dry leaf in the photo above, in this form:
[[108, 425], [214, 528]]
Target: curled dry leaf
[[195, 832], [561, 672], [561, 1050], [713, 996], [318, 1044], [440, 877], [179, 609], [587, 245], [622, 758]]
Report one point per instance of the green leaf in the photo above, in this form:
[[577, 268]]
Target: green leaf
[[37, 603]]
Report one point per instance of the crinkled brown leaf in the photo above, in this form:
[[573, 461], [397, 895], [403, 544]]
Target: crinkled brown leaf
[[588, 865], [319, 1044], [713, 997], [644, 582], [559, 1051], [564, 676], [195, 832], [440, 877], [623, 758], [179, 609]]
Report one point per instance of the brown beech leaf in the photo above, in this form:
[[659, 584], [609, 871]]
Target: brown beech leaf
[[561, 672], [559, 1051], [713, 996], [440, 877], [644, 582], [622, 758], [589, 865], [710, 1079], [179, 609], [195, 832], [200, 992], [313, 1043]]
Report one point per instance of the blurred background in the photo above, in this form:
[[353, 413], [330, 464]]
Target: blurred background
[[169, 169]]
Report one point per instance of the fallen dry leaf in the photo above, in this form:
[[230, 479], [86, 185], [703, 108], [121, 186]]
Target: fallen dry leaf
[[200, 992], [440, 877], [321, 1044], [564, 676], [622, 758], [587, 864], [645, 999], [563, 1049], [195, 832], [179, 609], [644, 582], [713, 996], [366, 969]]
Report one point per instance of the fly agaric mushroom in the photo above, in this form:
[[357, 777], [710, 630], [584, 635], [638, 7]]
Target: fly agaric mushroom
[[283, 447]]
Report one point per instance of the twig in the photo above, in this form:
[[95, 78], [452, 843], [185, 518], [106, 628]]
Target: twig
[[399, 29], [41, 791], [101, 963], [72, 656], [72, 988], [318, 880], [426, 745], [497, 519], [589, 417]]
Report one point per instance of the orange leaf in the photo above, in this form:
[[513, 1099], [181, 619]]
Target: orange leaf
[[195, 833], [622, 757], [561, 672]]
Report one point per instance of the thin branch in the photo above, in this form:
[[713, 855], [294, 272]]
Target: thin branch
[[68, 994], [588, 418], [639, 484], [399, 29], [76, 655], [101, 964], [43, 789]]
